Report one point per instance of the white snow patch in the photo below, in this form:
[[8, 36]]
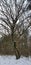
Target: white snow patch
[[11, 60]]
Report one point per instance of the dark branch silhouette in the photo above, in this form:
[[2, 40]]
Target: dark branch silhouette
[[11, 12]]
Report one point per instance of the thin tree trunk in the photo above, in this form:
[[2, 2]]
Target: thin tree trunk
[[12, 34], [16, 51], [13, 41]]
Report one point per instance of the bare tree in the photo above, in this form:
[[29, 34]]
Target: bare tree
[[14, 16]]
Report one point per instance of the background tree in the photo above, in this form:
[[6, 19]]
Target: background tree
[[14, 18]]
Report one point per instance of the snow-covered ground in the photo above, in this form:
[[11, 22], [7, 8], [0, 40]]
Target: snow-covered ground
[[11, 60]]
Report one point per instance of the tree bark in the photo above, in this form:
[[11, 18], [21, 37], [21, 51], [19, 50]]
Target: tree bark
[[14, 42], [16, 51]]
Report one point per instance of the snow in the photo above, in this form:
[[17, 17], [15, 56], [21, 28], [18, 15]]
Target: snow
[[11, 60]]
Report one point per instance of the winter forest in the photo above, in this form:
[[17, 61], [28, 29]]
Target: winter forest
[[15, 27]]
